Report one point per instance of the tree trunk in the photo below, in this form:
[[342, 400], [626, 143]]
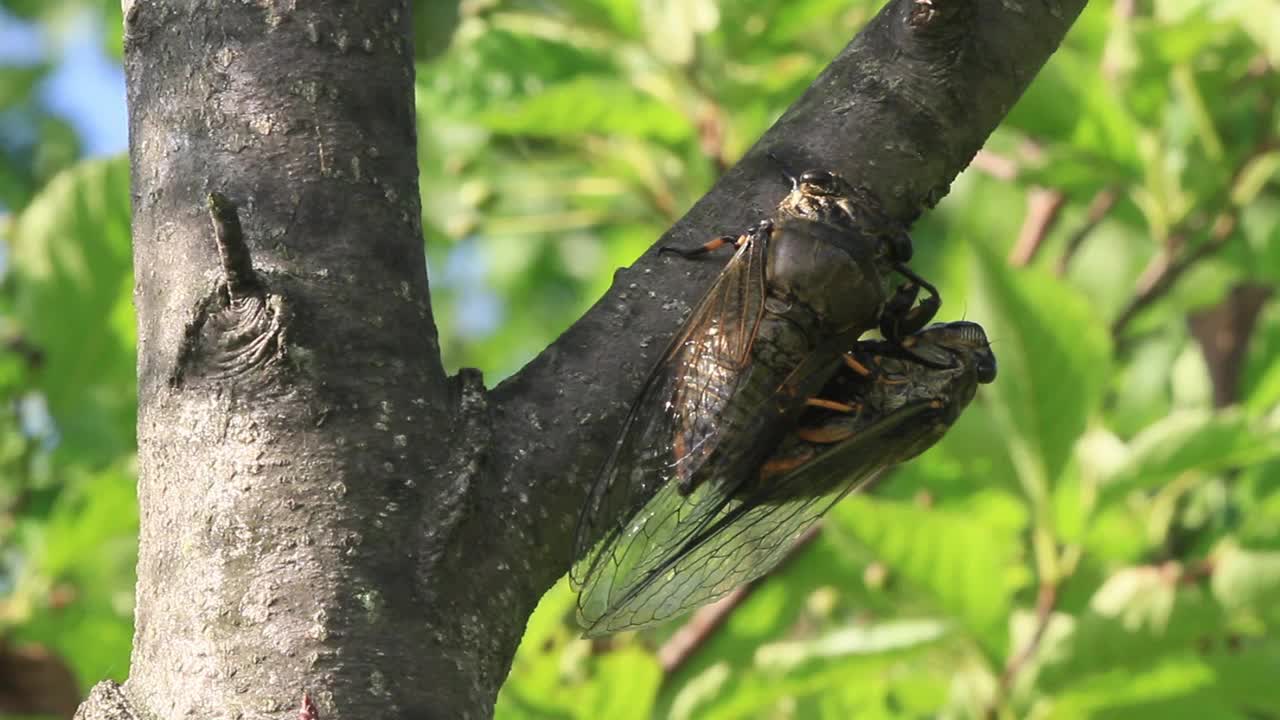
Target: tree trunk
[[322, 508]]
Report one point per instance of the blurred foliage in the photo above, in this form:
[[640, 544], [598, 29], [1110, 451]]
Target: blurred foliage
[[1097, 537]]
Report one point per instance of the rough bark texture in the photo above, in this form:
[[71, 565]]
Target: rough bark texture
[[321, 508]]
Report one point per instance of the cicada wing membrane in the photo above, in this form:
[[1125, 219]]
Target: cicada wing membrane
[[671, 427], [675, 555]]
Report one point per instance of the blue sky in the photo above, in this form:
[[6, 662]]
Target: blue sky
[[86, 86]]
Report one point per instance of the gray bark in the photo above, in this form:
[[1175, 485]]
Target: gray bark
[[322, 508]]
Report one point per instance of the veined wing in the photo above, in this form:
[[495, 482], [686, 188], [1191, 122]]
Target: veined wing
[[673, 425], [670, 559]]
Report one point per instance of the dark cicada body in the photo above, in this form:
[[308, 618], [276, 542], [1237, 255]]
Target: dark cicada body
[[911, 403], [883, 408], [802, 287]]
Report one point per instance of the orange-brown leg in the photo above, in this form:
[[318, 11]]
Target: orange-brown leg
[[709, 246], [831, 405], [882, 376], [778, 466], [824, 434], [856, 366]]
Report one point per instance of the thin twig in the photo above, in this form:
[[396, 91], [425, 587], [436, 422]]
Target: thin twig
[[1044, 206], [1167, 267], [995, 165], [1122, 12], [1046, 599], [1223, 332], [1099, 207]]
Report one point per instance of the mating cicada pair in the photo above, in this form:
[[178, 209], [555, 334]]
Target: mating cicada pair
[[767, 407]]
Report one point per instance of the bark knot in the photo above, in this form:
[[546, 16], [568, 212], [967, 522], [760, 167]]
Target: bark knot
[[238, 328]]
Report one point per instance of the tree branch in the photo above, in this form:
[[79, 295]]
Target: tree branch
[[1173, 261], [280, 501], [321, 523], [1223, 332], [901, 111]]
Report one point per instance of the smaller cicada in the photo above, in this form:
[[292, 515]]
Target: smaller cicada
[[888, 403]]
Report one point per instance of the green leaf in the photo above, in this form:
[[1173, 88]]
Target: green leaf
[[86, 552], [589, 105], [1258, 18], [1139, 615], [1172, 690], [16, 83], [1255, 174], [498, 66], [1054, 358], [434, 22], [1226, 686], [672, 27], [72, 261], [620, 17], [964, 562], [759, 693], [856, 640], [624, 688], [1193, 440], [1247, 579]]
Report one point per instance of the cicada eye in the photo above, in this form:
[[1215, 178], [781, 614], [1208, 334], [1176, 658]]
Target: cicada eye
[[986, 367], [817, 177], [821, 182], [901, 248]]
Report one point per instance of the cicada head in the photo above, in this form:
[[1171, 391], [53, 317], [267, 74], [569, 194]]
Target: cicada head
[[821, 196], [959, 344]]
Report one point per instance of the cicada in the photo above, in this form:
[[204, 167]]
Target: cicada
[[888, 403], [803, 285]]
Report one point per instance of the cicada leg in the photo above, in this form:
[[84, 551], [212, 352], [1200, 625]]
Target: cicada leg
[[703, 249], [831, 405], [856, 365], [763, 228], [902, 315], [867, 364], [824, 434], [778, 466], [790, 175]]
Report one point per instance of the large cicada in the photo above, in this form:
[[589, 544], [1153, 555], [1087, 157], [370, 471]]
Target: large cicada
[[803, 285], [888, 403]]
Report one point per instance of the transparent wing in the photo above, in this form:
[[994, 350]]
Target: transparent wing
[[672, 426], [675, 555]]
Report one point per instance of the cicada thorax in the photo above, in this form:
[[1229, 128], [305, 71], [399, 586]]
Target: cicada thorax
[[825, 284], [835, 274]]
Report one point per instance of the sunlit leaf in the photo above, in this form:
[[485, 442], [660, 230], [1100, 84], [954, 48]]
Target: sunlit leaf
[[589, 106], [625, 685], [1054, 358], [434, 22], [1138, 615], [71, 248], [81, 574], [858, 640], [1193, 440], [967, 566], [1247, 579]]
